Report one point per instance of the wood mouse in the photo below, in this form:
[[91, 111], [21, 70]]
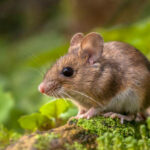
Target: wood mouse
[[110, 79]]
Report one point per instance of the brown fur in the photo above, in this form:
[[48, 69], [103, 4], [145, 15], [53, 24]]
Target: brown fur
[[102, 71]]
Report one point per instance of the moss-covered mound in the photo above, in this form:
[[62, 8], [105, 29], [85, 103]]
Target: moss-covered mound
[[98, 133], [100, 125]]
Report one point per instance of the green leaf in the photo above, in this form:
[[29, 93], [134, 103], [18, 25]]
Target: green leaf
[[72, 111], [55, 108], [6, 104], [36, 121]]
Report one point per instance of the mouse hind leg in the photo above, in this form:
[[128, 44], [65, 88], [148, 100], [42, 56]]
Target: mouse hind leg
[[113, 115]]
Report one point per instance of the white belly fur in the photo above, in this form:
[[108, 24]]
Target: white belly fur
[[124, 102]]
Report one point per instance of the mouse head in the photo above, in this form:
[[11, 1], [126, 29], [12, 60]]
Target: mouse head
[[75, 72]]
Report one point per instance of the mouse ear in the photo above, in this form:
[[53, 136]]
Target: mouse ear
[[76, 41], [91, 47]]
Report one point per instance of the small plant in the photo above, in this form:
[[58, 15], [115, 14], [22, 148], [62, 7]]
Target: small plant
[[50, 115]]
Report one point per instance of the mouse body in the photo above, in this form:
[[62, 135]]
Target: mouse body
[[110, 79]]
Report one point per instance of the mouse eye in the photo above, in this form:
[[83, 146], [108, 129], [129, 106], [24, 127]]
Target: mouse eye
[[67, 71]]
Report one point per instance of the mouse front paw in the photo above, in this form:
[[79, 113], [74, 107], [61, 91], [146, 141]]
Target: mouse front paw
[[90, 113], [80, 112]]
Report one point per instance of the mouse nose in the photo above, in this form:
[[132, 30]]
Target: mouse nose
[[42, 88]]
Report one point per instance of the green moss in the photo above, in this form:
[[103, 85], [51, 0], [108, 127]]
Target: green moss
[[43, 141], [98, 133], [100, 125], [112, 141], [112, 135]]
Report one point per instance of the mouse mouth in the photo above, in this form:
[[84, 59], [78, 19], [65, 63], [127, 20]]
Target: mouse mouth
[[50, 89], [59, 92], [54, 93], [54, 89]]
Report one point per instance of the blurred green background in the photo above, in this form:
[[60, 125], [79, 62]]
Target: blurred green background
[[34, 33]]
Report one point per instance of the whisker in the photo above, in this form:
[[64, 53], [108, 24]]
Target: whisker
[[61, 94], [56, 95], [64, 99], [70, 97], [83, 94], [53, 94]]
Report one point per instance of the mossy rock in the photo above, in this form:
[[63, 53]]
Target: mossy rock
[[100, 125], [96, 133]]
